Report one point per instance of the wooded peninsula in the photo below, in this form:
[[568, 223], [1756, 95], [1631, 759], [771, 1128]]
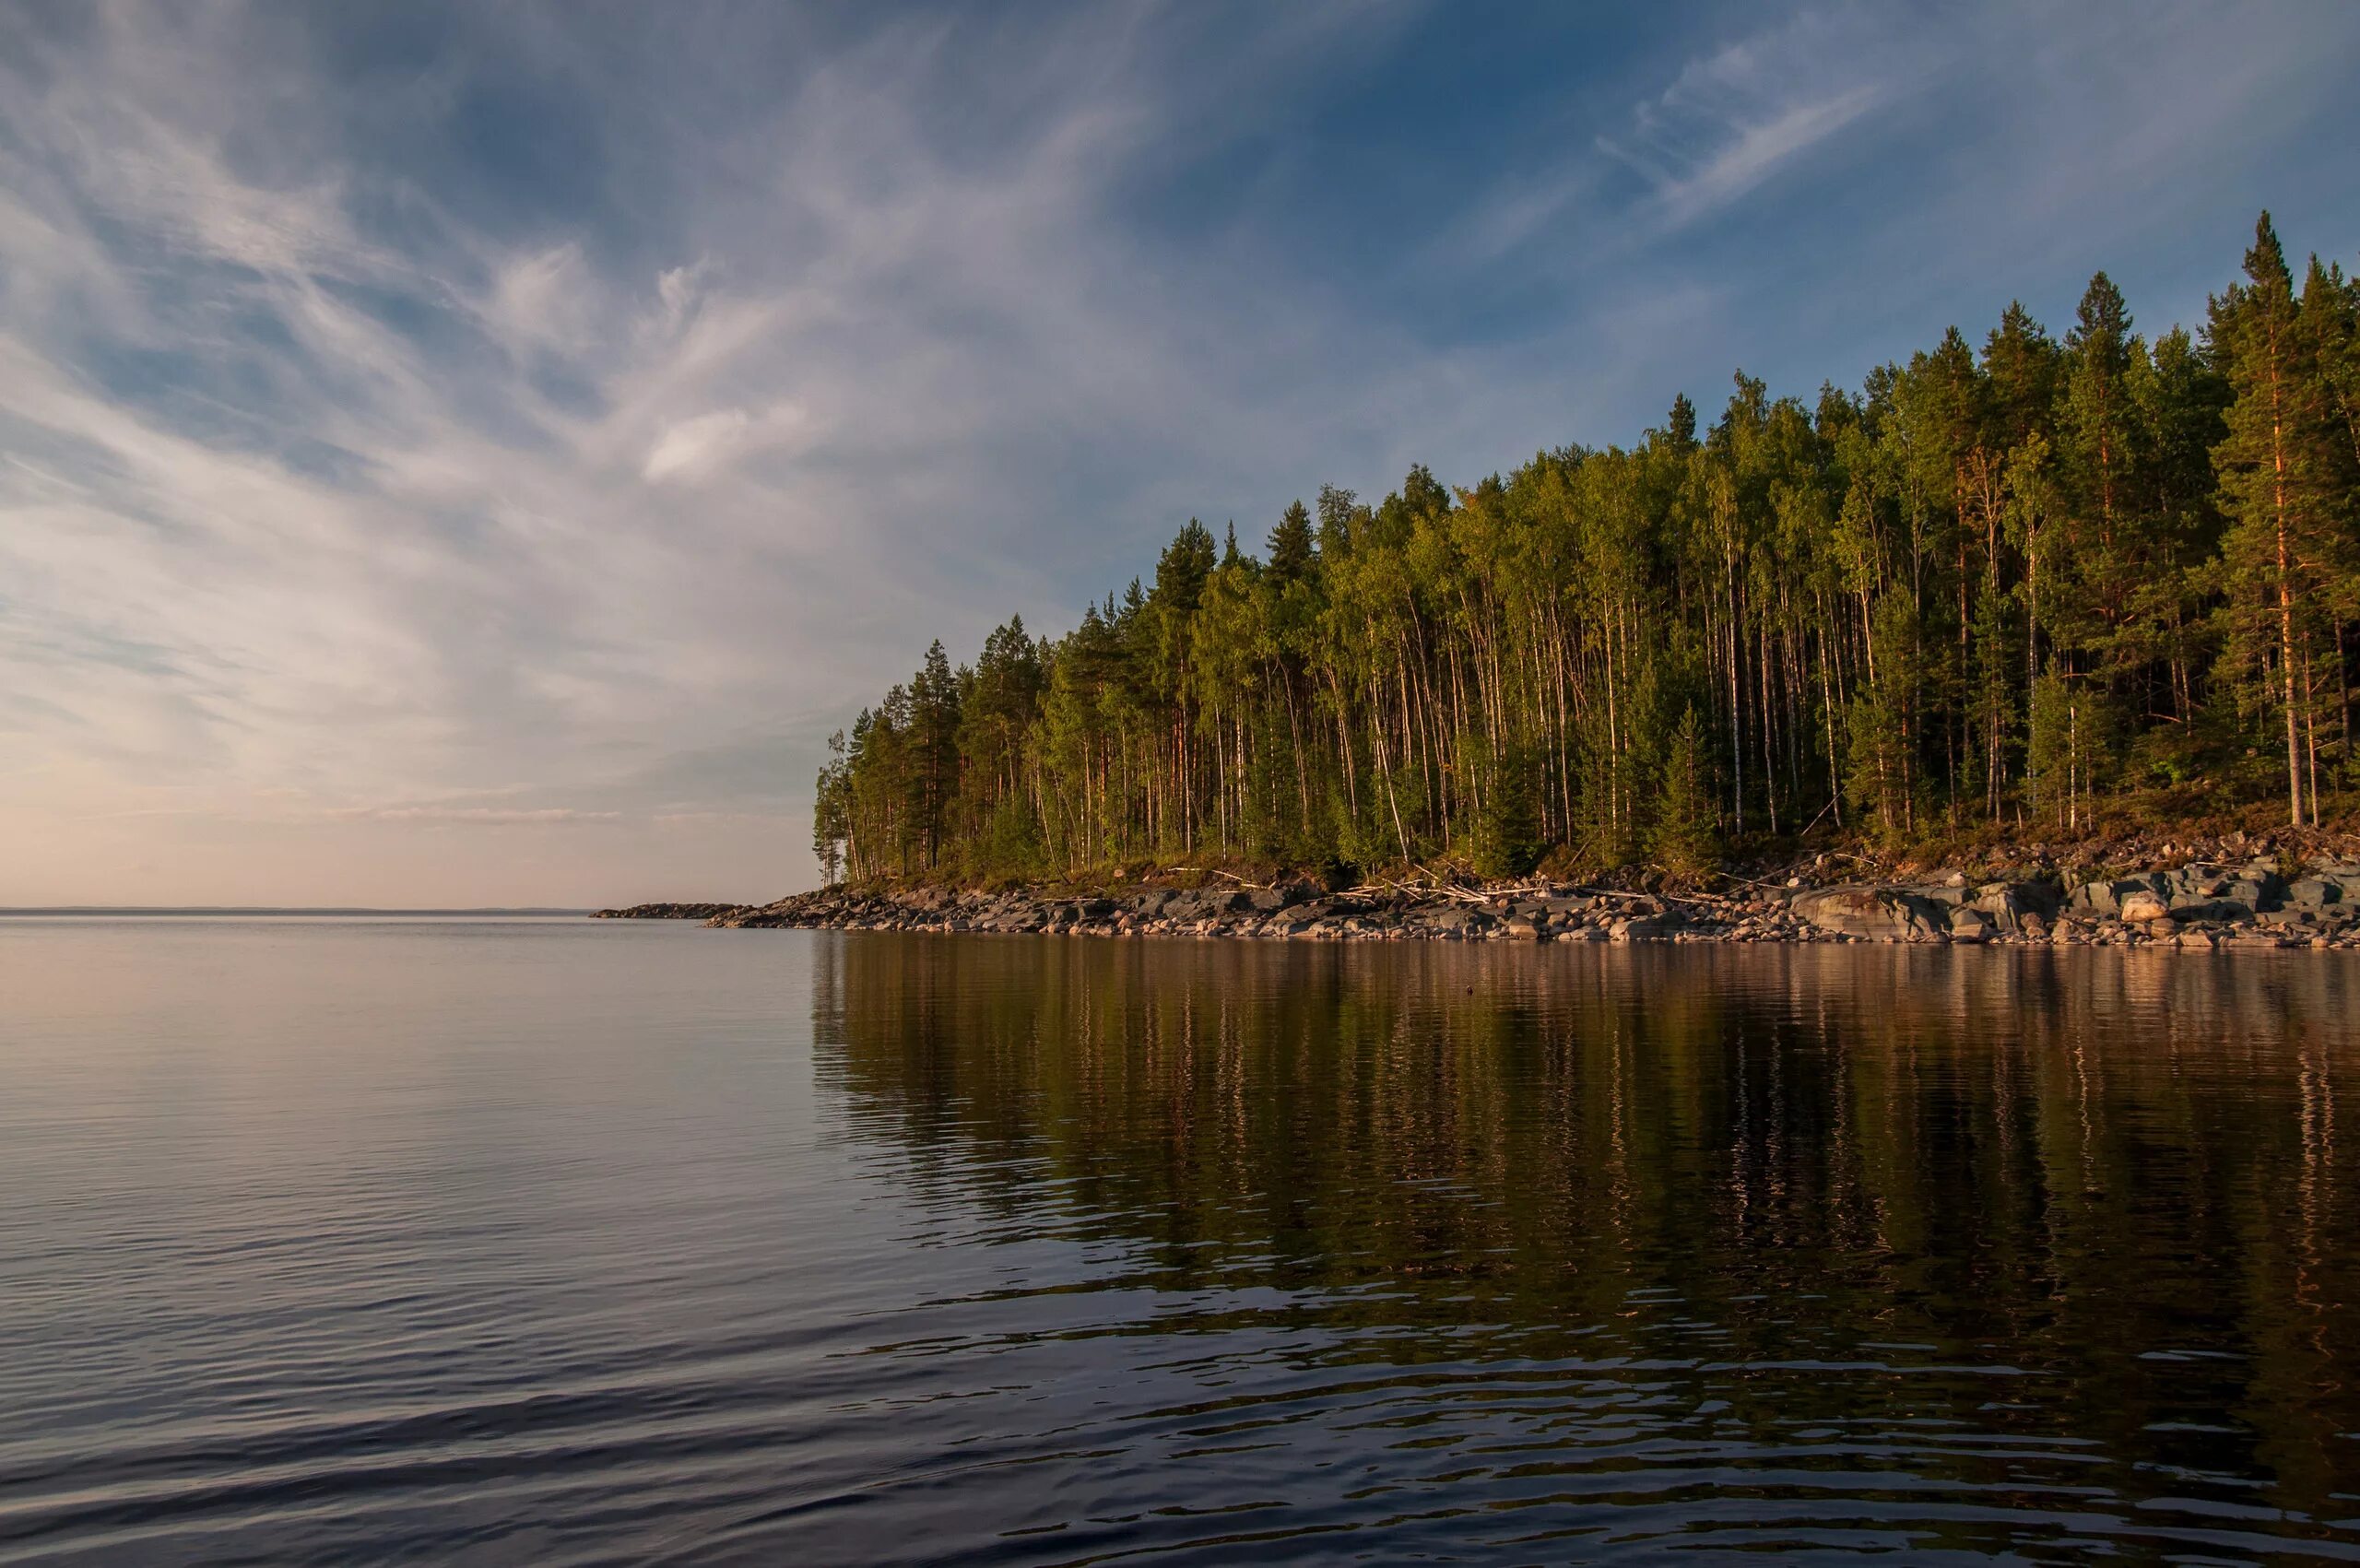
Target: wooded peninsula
[[2038, 591]]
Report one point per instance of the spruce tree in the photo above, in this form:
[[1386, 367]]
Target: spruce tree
[[1686, 839]]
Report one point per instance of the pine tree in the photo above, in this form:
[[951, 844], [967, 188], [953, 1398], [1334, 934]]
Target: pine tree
[[2271, 465]]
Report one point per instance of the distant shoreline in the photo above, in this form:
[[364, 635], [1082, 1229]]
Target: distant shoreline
[[34, 910]]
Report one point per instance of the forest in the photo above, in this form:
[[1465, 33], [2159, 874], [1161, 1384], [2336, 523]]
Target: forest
[[2029, 591]]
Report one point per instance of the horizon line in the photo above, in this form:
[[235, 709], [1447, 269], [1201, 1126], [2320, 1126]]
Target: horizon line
[[6, 910]]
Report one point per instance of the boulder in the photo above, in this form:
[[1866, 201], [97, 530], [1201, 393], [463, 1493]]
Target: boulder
[[2044, 895], [2144, 906], [2095, 899], [2254, 892], [1884, 915], [1970, 924], [2011, 905], [2313, 892]]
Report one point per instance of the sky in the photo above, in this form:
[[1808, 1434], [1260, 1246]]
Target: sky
[[470, 456]]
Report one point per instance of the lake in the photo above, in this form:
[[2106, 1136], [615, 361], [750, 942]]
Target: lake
[[571, 1241]]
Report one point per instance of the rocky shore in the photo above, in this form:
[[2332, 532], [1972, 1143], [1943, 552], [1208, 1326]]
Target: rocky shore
[[2260, 904]]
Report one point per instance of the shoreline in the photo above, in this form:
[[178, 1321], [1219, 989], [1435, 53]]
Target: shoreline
[[2199, 906]]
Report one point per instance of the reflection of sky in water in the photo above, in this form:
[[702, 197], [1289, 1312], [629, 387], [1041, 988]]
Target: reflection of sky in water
[[577, 1242]]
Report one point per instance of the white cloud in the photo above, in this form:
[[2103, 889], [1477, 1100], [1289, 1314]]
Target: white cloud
[[1732, 119], [690, 443], [1757, 149], [1727, 122]]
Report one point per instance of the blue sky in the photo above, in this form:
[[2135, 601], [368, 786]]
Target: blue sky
[[476, 455]]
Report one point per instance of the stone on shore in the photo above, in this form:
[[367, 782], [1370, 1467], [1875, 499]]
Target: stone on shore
[[2191, 906]]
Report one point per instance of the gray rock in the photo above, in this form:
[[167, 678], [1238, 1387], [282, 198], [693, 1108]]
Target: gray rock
[[2254, 892], [1888, 914], [2314, 892], [2011, 904], [2095, 899]]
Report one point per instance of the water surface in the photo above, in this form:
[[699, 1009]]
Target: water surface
[[596, 1241]]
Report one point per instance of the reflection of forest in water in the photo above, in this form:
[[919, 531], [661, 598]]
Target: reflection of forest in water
[[2115, 1172]]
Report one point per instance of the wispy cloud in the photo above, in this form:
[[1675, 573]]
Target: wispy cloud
[[1757, 149], [1733, 119], [1724, 124]]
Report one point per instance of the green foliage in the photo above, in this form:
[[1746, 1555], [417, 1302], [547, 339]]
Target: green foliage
[[1882, 745], [2288, 485], [1506, 837], [2073, 750], [1010, 844], [1687, 832], [1990, 587]]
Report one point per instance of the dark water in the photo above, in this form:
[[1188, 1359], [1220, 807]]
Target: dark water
[[565, 1243]]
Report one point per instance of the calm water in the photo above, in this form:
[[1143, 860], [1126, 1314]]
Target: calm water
[[572, 1242]]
